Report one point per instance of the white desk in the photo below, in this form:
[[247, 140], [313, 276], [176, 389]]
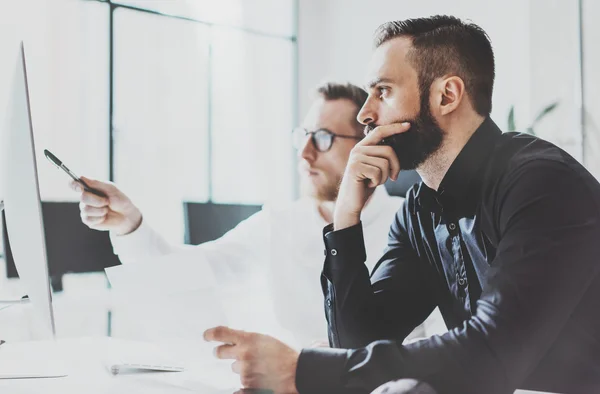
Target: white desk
[[88, 374]]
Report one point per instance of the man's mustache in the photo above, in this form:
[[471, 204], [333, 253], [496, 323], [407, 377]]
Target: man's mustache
[[370, 127]]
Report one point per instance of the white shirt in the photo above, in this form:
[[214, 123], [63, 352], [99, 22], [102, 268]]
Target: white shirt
[[286, 244]]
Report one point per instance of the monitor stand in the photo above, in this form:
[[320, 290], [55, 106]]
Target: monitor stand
[[25, 360]]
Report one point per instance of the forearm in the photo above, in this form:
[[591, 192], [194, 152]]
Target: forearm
[[229, 255], [495, 352], [349, 303], [142, 243], [443, 362], [361, 309]]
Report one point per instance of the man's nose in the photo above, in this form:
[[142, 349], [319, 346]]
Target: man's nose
[[308, 151], [367, 114]]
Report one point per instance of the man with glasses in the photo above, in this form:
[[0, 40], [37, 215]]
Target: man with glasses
[[292, 253]]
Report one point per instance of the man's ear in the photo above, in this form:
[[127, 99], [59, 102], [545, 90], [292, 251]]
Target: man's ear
[[451, 92]]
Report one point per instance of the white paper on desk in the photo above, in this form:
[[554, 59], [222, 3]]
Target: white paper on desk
[[158, 276], [171, 296]]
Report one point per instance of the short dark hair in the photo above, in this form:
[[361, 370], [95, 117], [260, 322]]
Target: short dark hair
[[445, 44], [348, 91]]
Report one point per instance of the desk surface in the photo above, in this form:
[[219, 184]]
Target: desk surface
[[84, 358]]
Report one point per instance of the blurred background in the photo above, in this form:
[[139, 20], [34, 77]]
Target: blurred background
[[167, 97]]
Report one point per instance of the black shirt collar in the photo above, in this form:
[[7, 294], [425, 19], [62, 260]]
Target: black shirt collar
[[458, 190]]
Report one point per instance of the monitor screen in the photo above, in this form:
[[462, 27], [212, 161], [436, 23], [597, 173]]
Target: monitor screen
[[208, 221], [71, 245]]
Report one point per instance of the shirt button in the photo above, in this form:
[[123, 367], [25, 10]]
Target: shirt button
[[452, 226], [328, 302], [333, 252], [462, 282]]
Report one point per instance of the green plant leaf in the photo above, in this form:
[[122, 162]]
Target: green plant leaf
[[544, 112], [511, 119]]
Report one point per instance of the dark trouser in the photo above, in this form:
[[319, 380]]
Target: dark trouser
[[404, 386]]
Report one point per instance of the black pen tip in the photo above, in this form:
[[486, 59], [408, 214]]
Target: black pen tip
[[52, 158]]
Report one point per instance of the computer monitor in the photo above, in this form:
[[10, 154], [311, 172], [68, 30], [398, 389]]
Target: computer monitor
[[71, 246], [208, 221], [22, 205]]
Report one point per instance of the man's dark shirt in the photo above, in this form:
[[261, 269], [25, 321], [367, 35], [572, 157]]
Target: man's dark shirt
[[508, 248]]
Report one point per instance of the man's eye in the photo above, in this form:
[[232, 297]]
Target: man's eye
[[383, 91]]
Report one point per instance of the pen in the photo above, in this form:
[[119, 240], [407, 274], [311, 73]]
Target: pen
[[55, 160]]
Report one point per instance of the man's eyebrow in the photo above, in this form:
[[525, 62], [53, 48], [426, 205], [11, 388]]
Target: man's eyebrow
[[377, 81]]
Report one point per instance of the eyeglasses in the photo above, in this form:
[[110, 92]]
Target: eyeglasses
[[322, 139]]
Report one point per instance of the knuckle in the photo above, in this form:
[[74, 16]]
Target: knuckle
[[390, 153], [245, 376], [88, 221], [218, 332], [87, 199], [253, 349], [222, 351], [245, 380], [245, 354], [112, 188], [377, 178], [377, 171], [219, 352]]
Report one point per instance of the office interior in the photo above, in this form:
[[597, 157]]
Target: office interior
[[187, 105]]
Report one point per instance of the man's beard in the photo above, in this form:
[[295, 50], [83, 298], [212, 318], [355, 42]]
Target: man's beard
[[325, 192], [417, 144]]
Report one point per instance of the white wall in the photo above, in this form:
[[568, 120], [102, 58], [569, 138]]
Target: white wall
[[591, 72], [66, 47], [554, 72], [534, 43]]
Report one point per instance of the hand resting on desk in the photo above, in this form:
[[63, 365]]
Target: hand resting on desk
[[260, 360]]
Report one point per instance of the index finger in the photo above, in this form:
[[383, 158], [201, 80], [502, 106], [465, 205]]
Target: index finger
[[381, 132], [93, 200], [104, 187], [223, 334], [76, 186]]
